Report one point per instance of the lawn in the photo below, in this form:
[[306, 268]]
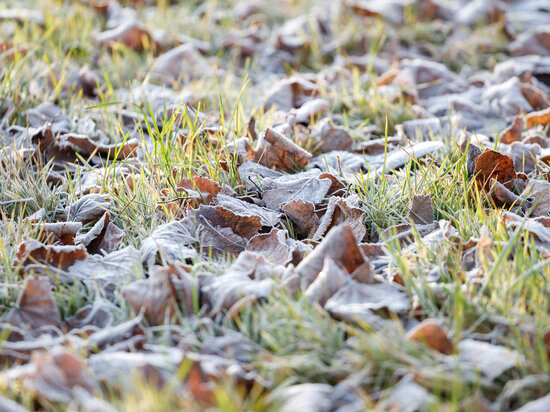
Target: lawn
[[274, 206]]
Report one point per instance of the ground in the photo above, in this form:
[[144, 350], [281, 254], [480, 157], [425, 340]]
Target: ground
[[294, 205]]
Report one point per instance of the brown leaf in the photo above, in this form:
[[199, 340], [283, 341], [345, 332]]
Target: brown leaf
[[158, 296], [303, 215], [169, 243], [208, 189], [273, 246], [36, 306], [248, 276], [331, 137], [535, 96], [105, 236], [331, 278], [275, 150], [306, 186], [539, 191], [88, 146], [491, 360], [524, 156], [267, 217], [309, 110], [290, 93], [88, 208], [340, 245], [341, 210], [52, 374], [493, 165], [131, 33], [180, 63], [31, 251], [62, 232], [513, 132], [433, 335], [422, 211], [541, 117]]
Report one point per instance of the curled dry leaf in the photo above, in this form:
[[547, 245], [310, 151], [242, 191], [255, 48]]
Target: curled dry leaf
[[303, 215], [276, 150], [341, 210], [61, 232], [208, 189], [88, 146], [340, 245], [290, 93], [433, 335], [422, 211], [52, 374], [36, 306], [539, 192], [541, 117], [105, 236], [331, 137], [31, 251], [274, 246], [267, 217], [88, 207], [331, 278], [309, 110], [493, 165], [166, 290], [249, 276], [513, 132]]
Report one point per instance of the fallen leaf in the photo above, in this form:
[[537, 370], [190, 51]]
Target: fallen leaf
[[268, 218], [88, 207], [491, 360], [104, 236], [180, 63], [303, 215], [36, 307], [331, 137], [131, 33], [422, 211], [274, 246], [513, 132], [275, 150], [493, 165], [430, 333], [539, 192], [305, 186], [340, 245], [360, 301], [541, 117], [52, 375], [408, 396], [31, 251], [309, 110], [331, 278], [62, 232], [167, 290], [290, 93], [249, 276], [169, 243], [341, 210]]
